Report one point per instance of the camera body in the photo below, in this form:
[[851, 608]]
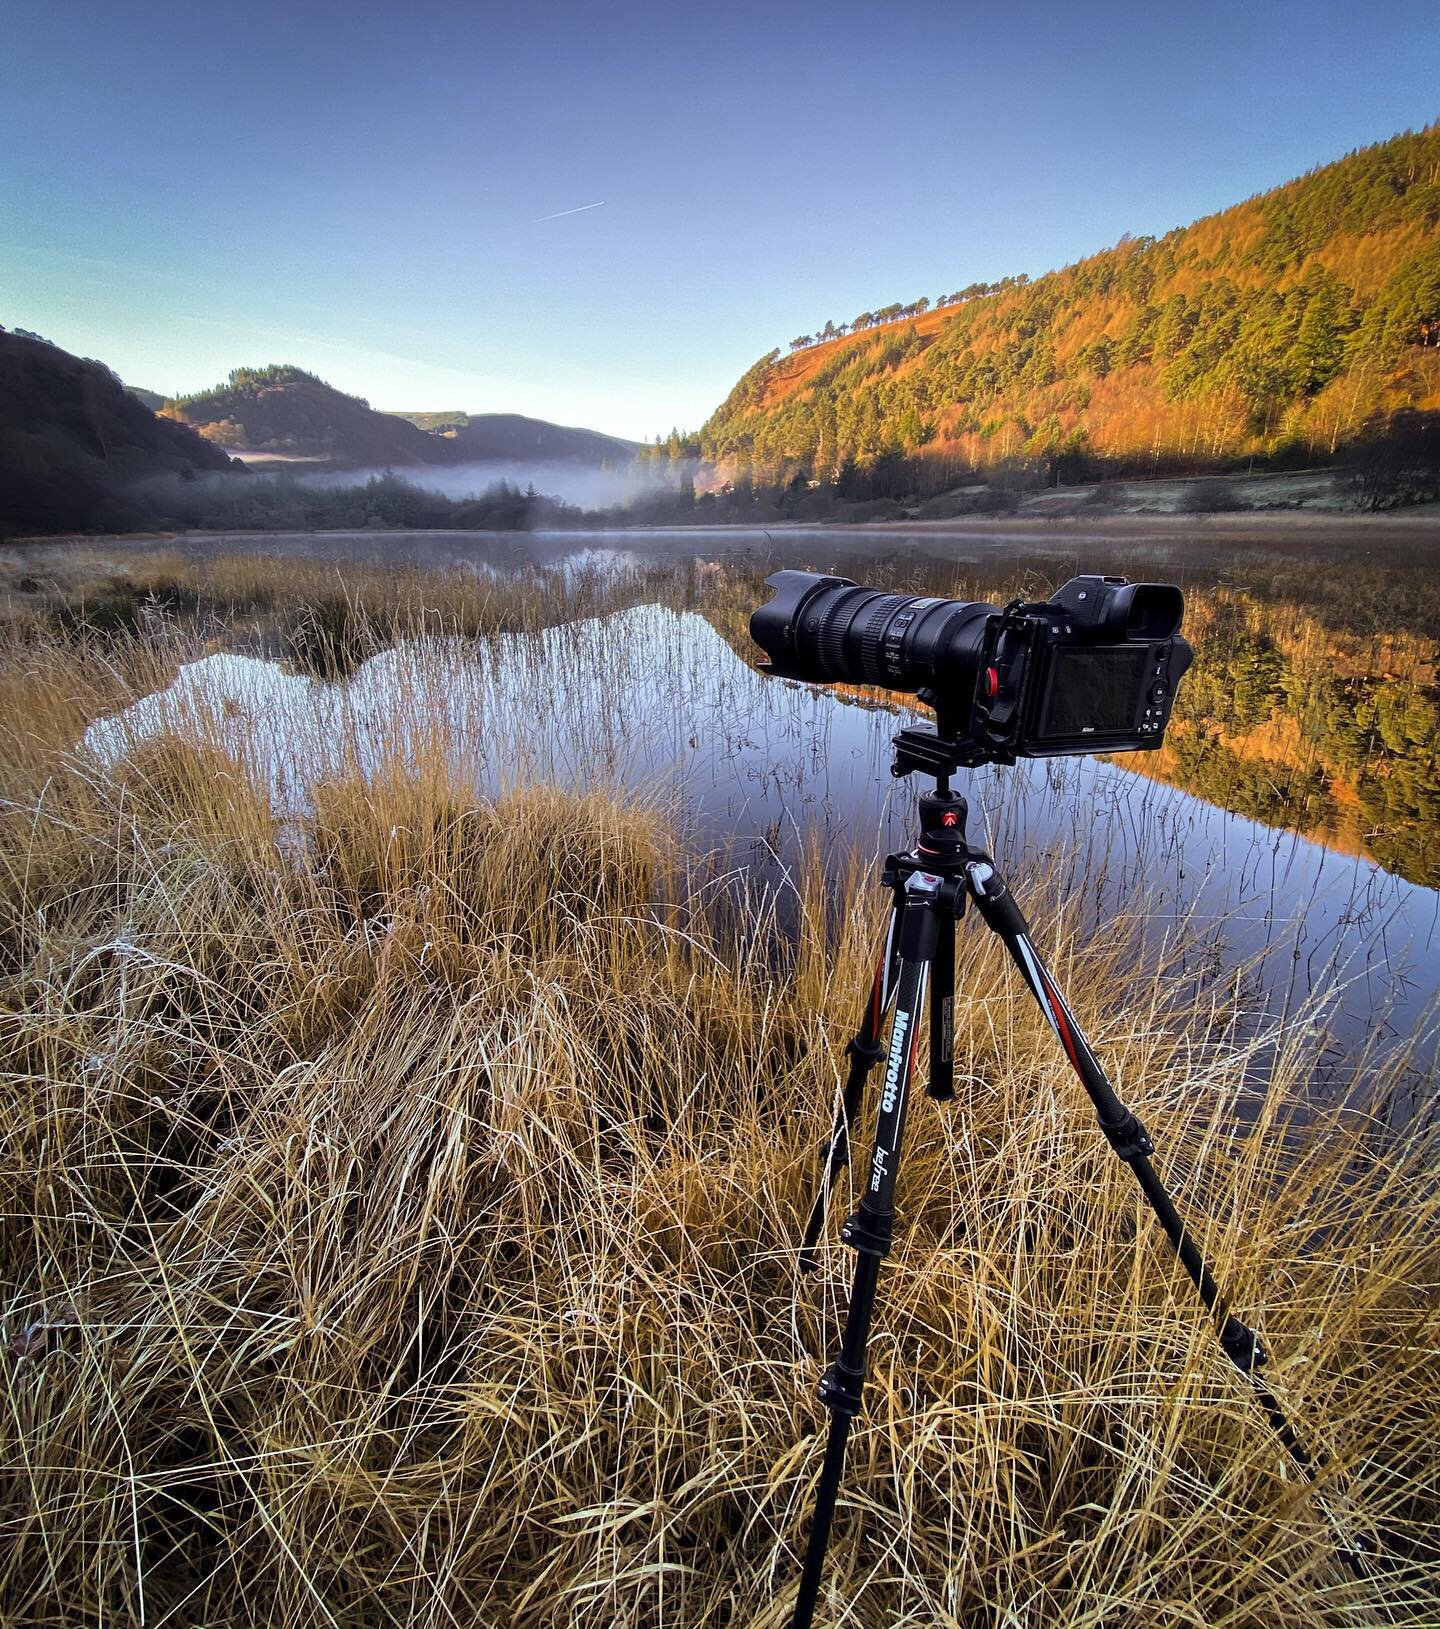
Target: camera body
[[1093, 669]]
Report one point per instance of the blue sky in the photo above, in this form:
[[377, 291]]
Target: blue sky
[[360, 188]]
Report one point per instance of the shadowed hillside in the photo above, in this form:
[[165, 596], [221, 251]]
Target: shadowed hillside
[[510, 437], [285, 412], [282, 412], [76, 445], [1279, 328]]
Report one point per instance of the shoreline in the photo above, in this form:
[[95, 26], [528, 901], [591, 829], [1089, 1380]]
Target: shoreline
[[1422, 524]]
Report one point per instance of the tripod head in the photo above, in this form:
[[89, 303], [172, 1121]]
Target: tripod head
[[941, 845]]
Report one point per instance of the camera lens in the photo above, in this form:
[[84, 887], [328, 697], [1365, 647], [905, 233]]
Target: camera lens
[[1092, 668], [827, 630]]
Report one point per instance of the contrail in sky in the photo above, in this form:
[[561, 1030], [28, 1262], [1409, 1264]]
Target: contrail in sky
[[561, 212]]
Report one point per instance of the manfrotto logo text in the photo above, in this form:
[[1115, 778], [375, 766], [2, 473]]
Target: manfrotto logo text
[[897, 1054]]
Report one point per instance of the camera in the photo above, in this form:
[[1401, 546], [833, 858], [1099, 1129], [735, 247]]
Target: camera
[[1092, 669]]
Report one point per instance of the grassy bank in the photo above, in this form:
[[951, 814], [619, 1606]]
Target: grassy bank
[[401, 1210]]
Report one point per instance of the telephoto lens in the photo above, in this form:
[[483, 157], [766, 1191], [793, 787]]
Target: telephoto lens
[[826, 630]]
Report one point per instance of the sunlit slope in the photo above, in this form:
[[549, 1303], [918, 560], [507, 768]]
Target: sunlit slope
[[1281, 323]]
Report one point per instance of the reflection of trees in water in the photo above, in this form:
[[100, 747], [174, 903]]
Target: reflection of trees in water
[[1311, 706], [1327, 733]]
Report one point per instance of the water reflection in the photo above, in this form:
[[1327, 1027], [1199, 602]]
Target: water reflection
[[657, 699], [1312, 706]]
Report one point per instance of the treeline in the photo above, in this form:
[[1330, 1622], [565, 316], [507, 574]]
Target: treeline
[[250, 381], [900, 312], [287, 503], [282, 503], [1281, 327], [1393, 461]]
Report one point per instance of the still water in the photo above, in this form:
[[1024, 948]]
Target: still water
[[1314, 702], [754, 769]]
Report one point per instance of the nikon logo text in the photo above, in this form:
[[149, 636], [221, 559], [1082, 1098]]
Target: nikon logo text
[[897, 1052]]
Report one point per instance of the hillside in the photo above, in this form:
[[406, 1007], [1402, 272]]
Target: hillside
[[512, 438], [284, 412], [76, 447], [1276, 328]]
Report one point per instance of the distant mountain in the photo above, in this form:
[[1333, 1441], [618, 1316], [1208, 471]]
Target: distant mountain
[[284, 412], [76, 447], [151, 398], [510, 438], [436, 423], [1279, 327]]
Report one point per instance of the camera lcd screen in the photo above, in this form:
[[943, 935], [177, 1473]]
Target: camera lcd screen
[[1093, 691]]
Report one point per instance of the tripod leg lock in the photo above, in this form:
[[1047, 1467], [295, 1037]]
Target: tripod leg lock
[[1128, 1138], [1242, 1346], [868, 1052], [840, 1387], [868, 1233]]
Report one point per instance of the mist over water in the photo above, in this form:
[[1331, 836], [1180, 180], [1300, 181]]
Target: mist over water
[[582, 485], [286, 494]]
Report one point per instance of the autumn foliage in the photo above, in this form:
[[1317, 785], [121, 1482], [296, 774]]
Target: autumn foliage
[[1277, 328]]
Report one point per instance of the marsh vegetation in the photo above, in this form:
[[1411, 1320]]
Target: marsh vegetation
[[411, 1098]]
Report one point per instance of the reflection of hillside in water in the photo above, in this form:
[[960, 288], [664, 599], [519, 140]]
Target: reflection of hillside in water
[[1318, 715], [1331, 733]]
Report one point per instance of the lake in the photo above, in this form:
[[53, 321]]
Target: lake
[[1285, 834]]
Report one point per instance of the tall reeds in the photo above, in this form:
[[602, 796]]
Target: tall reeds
[[401, 1200]]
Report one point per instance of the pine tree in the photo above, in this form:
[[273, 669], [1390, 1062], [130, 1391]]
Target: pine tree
[[1319, 348]]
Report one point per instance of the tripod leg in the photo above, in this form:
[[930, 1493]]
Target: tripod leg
[[1131, 1142], [1121, 1127], [941, 1085], [869, 1230], [864, 1052]]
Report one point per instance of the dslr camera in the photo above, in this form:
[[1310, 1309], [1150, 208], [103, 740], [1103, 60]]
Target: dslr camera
[[1092, 669]]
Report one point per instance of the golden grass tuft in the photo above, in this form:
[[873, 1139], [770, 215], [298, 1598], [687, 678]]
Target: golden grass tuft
[[401, 1206]]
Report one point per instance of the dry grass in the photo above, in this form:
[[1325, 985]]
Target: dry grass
[[321, 616], [400, 1229]]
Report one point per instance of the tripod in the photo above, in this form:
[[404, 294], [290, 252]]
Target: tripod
[[930, 885]]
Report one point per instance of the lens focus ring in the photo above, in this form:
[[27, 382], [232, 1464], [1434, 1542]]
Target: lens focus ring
[[834, 624], [873, 632]]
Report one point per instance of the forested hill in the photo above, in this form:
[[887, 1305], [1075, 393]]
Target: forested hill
[[513, 438], [1276, 328], [283, 412], [77, 449]]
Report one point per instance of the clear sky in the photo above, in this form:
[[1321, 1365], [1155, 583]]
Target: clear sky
[[363, 188]]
